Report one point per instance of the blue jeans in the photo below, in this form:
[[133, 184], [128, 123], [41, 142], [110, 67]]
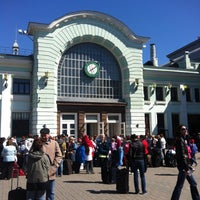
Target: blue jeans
[[50, 190], [36, 194], [180, 182], [121, 155], [59, 171], [139, 165]]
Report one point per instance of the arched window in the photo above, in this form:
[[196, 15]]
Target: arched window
[[74, 83]]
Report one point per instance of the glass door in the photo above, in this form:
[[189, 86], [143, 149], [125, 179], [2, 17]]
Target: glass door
[[69, 124]]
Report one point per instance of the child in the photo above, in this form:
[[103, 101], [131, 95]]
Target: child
[[194, 150]]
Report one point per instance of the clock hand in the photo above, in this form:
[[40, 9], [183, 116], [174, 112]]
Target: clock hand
[[92, 69]]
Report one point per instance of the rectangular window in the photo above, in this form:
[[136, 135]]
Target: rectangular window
[[197, 94], [161, 122], [188, 94], [159, 94], [91, 117], [113, 117], [146, 93], [21, 86], [174, 94], [147, 123], [175, 123], [20, 123]]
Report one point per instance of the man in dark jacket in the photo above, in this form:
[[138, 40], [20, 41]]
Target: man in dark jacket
[[183, 165]]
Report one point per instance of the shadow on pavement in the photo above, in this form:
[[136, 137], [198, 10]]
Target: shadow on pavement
[[79, 182], [103, 191], [166, 174]]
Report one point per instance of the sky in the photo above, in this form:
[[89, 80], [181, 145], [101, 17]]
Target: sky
[[170, 24]]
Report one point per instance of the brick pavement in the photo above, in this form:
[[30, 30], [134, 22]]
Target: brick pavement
[[160, 183]]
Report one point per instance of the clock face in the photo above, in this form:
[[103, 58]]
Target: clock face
[[91, 69]]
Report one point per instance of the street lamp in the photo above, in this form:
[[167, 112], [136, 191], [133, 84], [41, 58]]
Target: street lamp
[[24, 32]]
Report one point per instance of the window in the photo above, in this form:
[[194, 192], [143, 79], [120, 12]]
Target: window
[[74, 83], [21, 86], [113, 118], [146, 93], [147, 123], [188, 94], [20, 123], [159, 94], [161, 122], [175, 122], [68, 124], [91, 118], [197, 94], [174, 94]]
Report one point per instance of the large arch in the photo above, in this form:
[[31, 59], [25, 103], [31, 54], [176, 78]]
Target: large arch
[[52, 40]]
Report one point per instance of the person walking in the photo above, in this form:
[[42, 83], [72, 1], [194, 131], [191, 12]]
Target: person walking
[[51, 147], [36, 168], [183, 165], [137, 156]]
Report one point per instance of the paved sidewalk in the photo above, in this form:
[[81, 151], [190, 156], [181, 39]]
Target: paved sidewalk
[[160, 184]]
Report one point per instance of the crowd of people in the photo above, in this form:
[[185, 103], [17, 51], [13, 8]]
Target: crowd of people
[[135, 152]]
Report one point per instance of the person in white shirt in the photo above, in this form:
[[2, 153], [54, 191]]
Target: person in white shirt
[[163, 145]]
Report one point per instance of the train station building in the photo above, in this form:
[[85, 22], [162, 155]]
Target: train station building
[[86, 73]]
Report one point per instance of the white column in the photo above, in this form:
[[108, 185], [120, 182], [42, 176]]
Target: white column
[[6, 108]]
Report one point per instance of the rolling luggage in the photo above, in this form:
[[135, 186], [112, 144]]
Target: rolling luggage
[[18, 193], [67, 167], [122, 180]]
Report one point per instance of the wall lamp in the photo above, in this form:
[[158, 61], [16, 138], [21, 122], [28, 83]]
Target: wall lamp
[[6, 80], [137, 80], [46, 77], [169, 86], [154, 85], [183, 87]]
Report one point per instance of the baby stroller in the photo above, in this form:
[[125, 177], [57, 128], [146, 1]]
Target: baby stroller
[[170, 158]]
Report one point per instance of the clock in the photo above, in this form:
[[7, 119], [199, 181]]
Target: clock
[[91, 69]]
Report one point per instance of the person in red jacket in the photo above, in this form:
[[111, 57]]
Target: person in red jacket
[[89, 151], [146, 149]]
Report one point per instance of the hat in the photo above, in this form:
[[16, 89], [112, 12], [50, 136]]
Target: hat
[[44, 131]]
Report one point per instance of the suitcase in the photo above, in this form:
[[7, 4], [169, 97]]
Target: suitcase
[[67, 167], [18, 193], [122, 180]]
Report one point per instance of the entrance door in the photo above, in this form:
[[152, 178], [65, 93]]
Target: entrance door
[[115, 126], [91, 124], [69, 124]]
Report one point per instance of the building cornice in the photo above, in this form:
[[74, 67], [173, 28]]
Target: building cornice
[[106, 19]]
